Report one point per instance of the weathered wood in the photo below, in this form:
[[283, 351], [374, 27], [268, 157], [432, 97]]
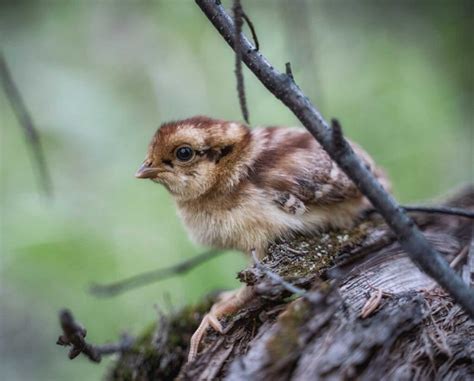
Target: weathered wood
[[372, 315]]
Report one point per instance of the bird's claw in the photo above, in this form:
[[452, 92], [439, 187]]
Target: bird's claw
[[228, 302], [209, 320]]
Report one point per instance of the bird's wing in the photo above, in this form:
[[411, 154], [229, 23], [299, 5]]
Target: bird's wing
[[297, 172], [296, 169], [322, 182], [316, 180]]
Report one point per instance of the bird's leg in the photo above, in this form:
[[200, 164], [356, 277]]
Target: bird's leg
[[229, 302]]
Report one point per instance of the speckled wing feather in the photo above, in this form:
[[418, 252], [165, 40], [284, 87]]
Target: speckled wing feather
[[323, 182], [297, 169]]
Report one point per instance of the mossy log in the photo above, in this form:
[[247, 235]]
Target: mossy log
[[369, 314]]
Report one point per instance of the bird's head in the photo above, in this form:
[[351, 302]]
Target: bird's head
[[192, 156]]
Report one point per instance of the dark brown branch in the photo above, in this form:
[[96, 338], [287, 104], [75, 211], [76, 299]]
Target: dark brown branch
[[432, 210], [439, 210], [252, 30], [140, 280], [74, 336], [238, 20], [26, 122], [408, 234]]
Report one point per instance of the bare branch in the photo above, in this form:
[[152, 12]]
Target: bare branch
[[432, 210], [74, 336], [140, 280], [439, 210], [252, 30], [26, 122], [409, 236], [461, 256], [238, 21]]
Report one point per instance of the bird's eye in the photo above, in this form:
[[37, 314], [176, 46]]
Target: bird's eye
[[184, 153]]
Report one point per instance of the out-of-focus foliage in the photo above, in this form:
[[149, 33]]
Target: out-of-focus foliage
[[99, 77]]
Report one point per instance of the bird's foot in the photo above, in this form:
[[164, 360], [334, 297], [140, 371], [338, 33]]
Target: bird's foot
[[228, 302]]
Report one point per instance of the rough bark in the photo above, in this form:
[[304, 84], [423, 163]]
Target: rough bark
[[369, 314]]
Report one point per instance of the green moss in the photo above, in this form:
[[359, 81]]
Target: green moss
[[304, 256], [285, 341], [161, 349]]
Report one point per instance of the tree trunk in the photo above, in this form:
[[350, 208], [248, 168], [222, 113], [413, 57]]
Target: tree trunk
[[369, 314]]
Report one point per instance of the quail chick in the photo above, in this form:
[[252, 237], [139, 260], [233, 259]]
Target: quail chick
[[240, 188]]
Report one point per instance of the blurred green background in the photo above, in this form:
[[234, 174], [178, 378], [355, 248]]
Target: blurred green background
[[99, 77]]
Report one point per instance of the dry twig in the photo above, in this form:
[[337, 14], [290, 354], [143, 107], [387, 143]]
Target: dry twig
[[238, 21], [140, 280], [431, 210], [252, 30], [439, 210], [74, 336], [26, 122], [460, 257]]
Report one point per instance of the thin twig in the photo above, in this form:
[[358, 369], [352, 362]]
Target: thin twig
[[432, 210], [140, 280], [26, 122], [276, 278], [439, 210], [252, 30], [238, 20], [74, 336], [408, 234], [459, 257]]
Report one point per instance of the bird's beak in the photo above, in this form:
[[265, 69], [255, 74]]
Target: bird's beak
[[146, 172]]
